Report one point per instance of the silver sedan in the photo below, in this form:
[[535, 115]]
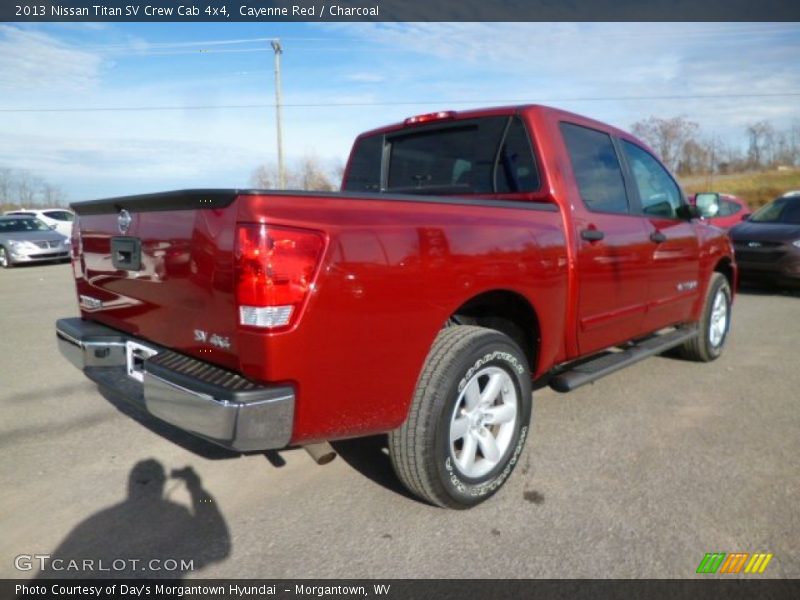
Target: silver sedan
[[27, 240]]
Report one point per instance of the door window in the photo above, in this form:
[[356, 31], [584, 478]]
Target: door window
[[659, 194], [597, 169]]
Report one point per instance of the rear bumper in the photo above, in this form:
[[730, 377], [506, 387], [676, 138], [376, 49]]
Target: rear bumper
[[200, 398]]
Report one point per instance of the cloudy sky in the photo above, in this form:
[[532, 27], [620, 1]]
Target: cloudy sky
[[196, 97]]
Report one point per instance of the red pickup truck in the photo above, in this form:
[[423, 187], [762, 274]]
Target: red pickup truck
[[467, 255]]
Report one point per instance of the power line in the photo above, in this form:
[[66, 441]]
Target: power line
[[216, 42], [392, 103]]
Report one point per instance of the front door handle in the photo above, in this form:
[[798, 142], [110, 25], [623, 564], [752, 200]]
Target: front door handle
[[658, 237], [592, 235]]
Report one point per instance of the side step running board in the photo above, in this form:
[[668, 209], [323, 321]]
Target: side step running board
[[614, 361]]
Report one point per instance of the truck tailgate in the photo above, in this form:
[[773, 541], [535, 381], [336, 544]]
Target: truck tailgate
[[161, 267]]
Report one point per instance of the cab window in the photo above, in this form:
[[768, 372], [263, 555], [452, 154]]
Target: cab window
[[596, 167], [659, 194]]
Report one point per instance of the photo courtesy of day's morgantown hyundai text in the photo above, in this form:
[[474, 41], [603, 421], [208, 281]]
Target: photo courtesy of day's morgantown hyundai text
[[468, 255]]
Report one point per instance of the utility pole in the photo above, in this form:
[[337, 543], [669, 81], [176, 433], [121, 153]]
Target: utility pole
[[713, 160], [276, 46]]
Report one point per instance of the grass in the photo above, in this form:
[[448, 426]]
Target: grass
[[755, 188]]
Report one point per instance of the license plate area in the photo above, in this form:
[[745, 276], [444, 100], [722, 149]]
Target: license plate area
[[126, 253], [135, 355]]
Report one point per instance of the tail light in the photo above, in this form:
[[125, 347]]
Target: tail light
[[76, 241], [275, 268]]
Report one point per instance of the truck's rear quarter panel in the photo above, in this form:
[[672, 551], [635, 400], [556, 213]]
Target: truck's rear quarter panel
[[392, 274]]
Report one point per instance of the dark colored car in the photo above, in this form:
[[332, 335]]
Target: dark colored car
[[724, 212], [767, 245]]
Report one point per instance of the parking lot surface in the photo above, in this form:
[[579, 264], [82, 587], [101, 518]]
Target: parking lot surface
[[637, 475]]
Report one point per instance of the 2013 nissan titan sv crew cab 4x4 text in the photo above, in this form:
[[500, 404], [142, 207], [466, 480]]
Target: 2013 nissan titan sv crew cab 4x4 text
[[467, 255]]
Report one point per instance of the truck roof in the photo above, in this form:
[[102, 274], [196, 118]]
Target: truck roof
[[552, 112]]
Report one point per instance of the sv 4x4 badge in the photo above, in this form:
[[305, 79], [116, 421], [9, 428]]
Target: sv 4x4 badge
[[220, 341]]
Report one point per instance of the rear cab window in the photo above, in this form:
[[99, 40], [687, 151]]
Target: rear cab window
[[489, 155]]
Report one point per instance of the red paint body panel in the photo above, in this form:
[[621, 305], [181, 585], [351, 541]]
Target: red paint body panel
[[391, 275]]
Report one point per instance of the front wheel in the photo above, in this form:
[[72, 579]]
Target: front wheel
[[468, 420], [5, 259], [714, 323]]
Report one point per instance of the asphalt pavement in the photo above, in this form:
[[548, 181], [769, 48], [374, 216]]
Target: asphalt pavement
[[637, 475]]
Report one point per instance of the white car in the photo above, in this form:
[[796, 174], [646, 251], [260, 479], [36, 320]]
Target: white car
[[59, 219]]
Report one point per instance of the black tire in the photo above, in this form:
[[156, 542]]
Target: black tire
[[423, 455], [5, 259], [703, 347]]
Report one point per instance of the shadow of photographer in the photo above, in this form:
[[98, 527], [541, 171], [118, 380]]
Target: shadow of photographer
[[146, 535]]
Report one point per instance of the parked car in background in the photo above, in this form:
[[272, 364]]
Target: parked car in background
[[767, 245], [59, 219], [26, 239], [722, 210]]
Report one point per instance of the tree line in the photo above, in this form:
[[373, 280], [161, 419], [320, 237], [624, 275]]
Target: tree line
[[307, 173], [22, 189], [684, 148]]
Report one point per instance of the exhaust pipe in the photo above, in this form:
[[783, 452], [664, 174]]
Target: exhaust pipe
[[322, 453]]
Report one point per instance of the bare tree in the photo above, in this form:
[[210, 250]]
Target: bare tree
[[6, 185], [19, 188], [265, 176], [26, 188], [308, 173], [794, 143], [696, 157], [337, 172], [52, 195], [761, 137], [666, 136]]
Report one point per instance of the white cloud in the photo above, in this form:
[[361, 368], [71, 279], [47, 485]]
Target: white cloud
[[365, 77], [30, 59]]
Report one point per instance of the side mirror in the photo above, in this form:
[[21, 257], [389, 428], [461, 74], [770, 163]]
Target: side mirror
[[688, 212], [708, 203], [746, 217]]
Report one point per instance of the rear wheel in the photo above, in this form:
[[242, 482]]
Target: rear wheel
[[5, 259], [714, 323], [468, 420]]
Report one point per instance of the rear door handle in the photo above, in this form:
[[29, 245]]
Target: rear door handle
[[658, 237], [592, 235]]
